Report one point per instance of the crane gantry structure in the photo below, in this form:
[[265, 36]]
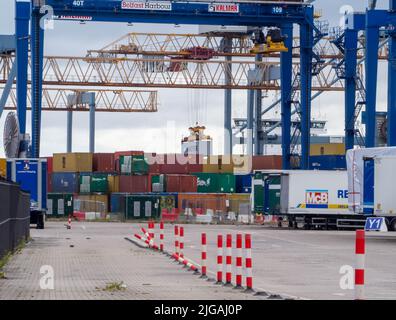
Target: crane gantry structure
[[107, 100], [309, 65]]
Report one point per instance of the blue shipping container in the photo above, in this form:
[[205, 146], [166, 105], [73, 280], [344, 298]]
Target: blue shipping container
[[368, 186], [243, 183], [31, 175], [115, 201], [335, 162], [65, 182]]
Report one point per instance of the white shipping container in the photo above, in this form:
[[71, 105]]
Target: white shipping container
[[314, 192], [384, 184]]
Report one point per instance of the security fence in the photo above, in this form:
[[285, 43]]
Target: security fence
[[14, 216]]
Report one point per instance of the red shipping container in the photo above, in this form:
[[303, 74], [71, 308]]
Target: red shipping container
[[118, 154], [103, 162], [273, 162], [134, 184], [49, 173], [181, 183]]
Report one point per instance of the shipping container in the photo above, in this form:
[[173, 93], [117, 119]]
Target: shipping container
[[180, 183], [243, 183], [113, 182], [384, 195], [133, 184], [136, 165], [116, 199], [332, 162], [65, 182], [103, 162], [218, 164], [59, 204], [93, 183], [327, 149], [31, 175], [50, 169], [168, 201], [72, 162], [266, 192], [239, 203], [142, 206], [273, 162], [201, 203], [3, 168], [212, 183], [92, 203], [118, 154], [314, 192]]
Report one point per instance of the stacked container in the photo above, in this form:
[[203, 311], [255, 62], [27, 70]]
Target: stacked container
[[59, 204], [216, 183]]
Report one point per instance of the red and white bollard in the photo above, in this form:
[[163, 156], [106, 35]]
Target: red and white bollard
[[162, 236], [151, 229], [146, 241], [181, 241], [177, 240], [248, 262], [219, 259], [228, 260], [359, 269], [203, 256], [69, 222], [238, 276]]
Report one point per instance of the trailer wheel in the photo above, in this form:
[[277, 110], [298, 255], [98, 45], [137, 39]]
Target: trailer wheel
[[392, 225]]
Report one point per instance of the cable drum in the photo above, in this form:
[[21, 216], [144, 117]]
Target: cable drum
[[11, 136]]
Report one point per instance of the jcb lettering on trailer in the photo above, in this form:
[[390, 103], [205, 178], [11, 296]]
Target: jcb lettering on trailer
[[317, 198]]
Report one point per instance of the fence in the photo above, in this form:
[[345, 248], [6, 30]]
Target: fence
[[14, 217], [89, 209]]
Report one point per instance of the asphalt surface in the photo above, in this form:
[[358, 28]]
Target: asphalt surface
[[293, 263]]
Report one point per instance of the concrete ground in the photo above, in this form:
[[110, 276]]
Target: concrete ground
[[295, 263]]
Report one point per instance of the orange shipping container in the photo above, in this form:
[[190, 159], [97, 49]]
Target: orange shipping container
[[72, 162], [3, 168], [267, 163], [199, 203], [113, 183]]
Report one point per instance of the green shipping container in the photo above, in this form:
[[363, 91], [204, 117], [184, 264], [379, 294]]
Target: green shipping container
[[258, 192], [216, 182], [142, 207], [59, 204], [266, 193], [134, 165], [94, 183]]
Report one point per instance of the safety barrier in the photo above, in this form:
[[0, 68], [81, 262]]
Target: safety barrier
[[360, 251], [14, 217]]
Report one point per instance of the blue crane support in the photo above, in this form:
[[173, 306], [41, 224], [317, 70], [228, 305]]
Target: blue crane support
[[175, 12], [22, 17]]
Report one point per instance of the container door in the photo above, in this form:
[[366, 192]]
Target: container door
[[266, 195], [147, 208], [49, 207], [258, 193], [136, 209], [368, 186], [61, 207]]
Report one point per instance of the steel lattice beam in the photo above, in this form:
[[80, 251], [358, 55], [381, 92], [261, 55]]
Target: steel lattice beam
[[55, 99]]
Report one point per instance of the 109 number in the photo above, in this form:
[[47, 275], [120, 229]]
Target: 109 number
[[78, 3], [277, 10]]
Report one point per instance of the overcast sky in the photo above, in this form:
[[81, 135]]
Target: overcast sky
[[145, 131]]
